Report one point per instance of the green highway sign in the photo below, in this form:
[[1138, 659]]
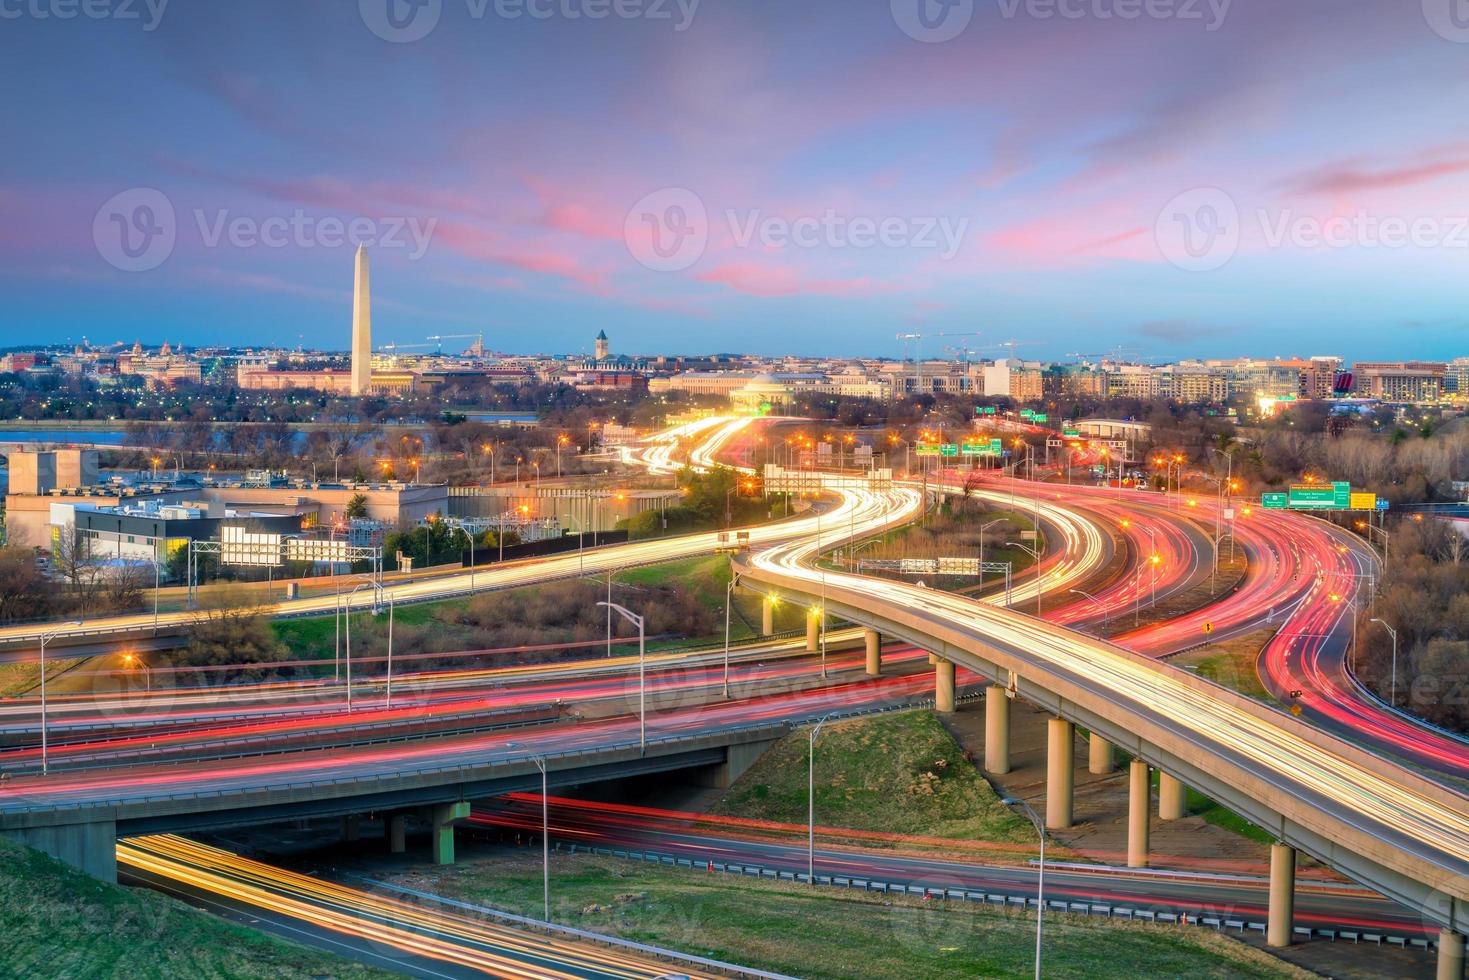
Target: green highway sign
[[1040, 418], [926, 449], [984, 410], [992, 448], [1275, 501], [949, 449], [1320, 496]]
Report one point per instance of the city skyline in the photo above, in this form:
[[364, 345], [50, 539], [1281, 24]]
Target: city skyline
[[1025, 178]]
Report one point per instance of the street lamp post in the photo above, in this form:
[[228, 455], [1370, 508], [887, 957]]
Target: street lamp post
[[1039, 580], [1394, 634], [1040, 884], [728, 605], [388, 696], [46, 638], [133, 660], [1105, 615], [540, 762], [637, 621], [347, 615], [811, 801], [983, 528]]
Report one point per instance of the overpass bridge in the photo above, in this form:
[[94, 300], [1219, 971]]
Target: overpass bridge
[[1373, 820], [79, 820]]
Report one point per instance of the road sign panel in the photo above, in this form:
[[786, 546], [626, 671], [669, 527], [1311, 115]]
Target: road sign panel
[[1275, 501], [1321, 496]]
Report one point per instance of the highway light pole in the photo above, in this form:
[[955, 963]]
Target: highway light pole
[[347, 614], [983, 528], [1105, 615], [1040, 883], [811, 801], [1394, 634], [133, 660], [46, 638], [1038, 578], [728, 604], [637, 621], [540, 762], [388, 699]]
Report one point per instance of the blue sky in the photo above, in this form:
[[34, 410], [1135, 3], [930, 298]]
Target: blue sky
[[1203, 178]]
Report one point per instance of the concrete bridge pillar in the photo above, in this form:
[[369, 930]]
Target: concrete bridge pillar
[[442, 818], [1170, 797], [813, 631], [1100, 757], [1450, 955], [397, 833], [944, 701], [1060, 760], [1139, 803], [1282, 918], [996, 730], [767, 617], [351, 828], [874, 652]]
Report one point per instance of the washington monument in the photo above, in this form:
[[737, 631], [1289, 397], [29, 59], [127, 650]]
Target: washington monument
[[361, 327]]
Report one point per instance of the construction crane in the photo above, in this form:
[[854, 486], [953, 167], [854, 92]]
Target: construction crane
[[1116, 354], [479, 339], [918, 339]]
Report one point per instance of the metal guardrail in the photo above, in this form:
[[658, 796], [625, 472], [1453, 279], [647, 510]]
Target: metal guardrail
[[1003, 898]]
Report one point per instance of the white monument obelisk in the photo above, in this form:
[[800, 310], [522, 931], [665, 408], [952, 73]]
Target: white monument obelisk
[[361, 328]]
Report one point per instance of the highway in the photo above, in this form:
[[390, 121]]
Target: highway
[[1283, 579], [918, 861], [1328, 788], [373, 927]]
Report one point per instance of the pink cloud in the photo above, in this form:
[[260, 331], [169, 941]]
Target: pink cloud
[[772, 281], [1346, 179]]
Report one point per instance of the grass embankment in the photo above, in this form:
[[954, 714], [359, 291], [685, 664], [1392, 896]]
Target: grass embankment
[[827, 933], [17, 679], [900, 773], [683, 598], [57, 922], [1231, 663]]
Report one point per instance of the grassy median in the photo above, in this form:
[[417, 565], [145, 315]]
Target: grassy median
[[827, 933], [899, 773]]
